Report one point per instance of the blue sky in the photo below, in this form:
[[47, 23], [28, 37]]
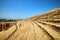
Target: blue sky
[[21, 9]]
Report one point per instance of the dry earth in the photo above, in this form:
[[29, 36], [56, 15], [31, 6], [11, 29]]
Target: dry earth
[[33, 30]]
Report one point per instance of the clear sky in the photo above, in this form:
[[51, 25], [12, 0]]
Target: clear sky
[[21, 9]]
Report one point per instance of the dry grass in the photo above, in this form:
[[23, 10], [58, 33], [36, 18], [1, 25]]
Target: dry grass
[[6, 25]]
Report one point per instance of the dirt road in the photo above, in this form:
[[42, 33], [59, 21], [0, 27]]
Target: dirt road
[[31, 30]]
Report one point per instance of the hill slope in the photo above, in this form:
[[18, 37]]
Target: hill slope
[[53, 14]]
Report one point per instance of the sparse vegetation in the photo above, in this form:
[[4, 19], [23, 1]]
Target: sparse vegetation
[[6, 25]]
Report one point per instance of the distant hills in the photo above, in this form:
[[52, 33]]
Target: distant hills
[[9, 20], [6, 20]]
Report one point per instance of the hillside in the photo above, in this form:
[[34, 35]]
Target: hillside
[[53, 14]]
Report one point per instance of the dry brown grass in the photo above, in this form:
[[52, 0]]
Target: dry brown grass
[[6, 25]]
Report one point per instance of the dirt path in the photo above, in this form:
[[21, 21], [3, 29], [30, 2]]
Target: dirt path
[[50, 30], [12, 33], [30, 30]]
